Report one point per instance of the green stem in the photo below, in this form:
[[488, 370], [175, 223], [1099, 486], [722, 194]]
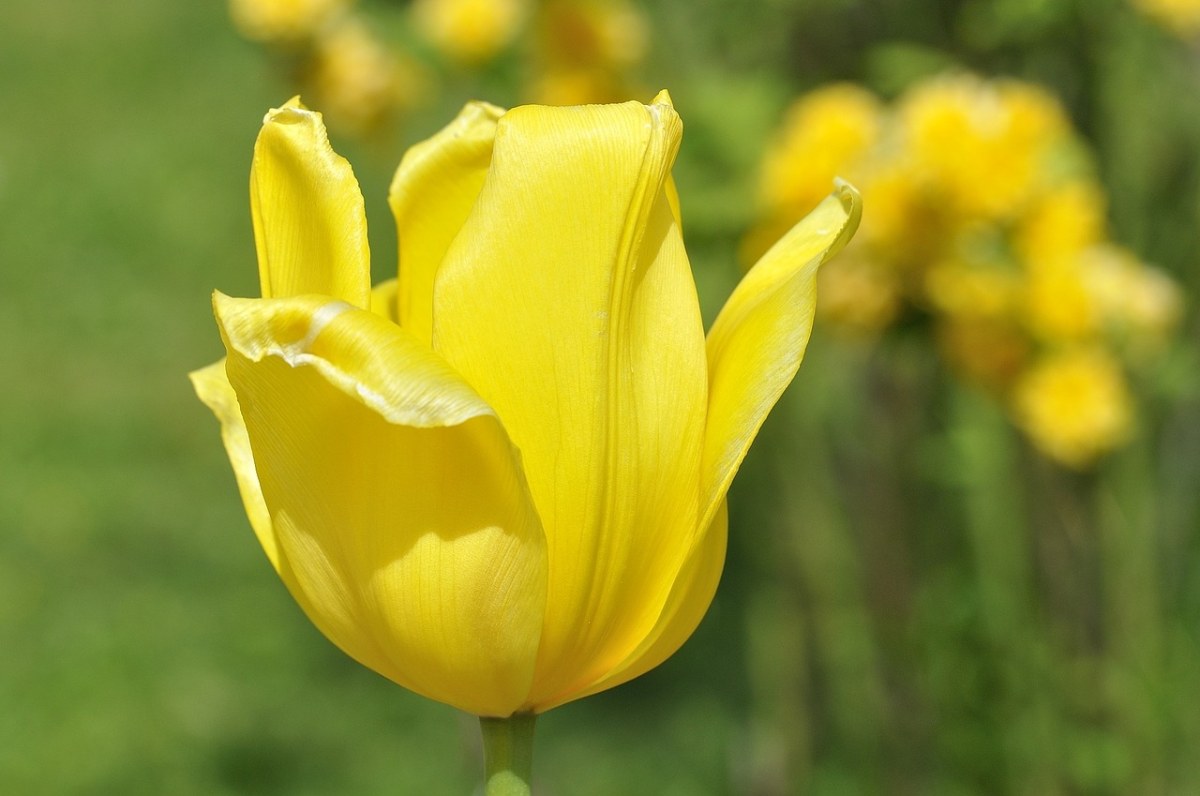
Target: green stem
[[508, 754]]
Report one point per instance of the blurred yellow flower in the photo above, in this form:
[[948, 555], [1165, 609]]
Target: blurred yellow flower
[[470, 31], [857, 296], [1153, 307], [979, 146], [983, 224], [499, 480], [1061, 222], [903, 221], [823, 135], [582, 50], [1075, 406], [575, 86], [593, 32], [1180, 16], [972, 290], [358, 80], [1061, 305], [1103, 291], [283, 20], [1141, 304]]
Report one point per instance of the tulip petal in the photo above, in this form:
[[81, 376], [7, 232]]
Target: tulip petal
[[213, 388], [690, 597], [403, 524], [385, 300], [310, 228], [568, 302], [431, 195], [756, 344], [673, 200]]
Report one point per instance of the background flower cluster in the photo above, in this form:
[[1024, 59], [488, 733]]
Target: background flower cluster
[[562, 52], [988, 225]]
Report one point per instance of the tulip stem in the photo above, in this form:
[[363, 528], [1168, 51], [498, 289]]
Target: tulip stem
[[508, 754]]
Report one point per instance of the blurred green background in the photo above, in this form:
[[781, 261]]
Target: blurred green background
[[914, 601]]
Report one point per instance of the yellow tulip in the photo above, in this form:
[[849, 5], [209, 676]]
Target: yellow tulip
[[500, 479]]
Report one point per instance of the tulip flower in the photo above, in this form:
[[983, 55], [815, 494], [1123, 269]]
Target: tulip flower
[[500, 479]]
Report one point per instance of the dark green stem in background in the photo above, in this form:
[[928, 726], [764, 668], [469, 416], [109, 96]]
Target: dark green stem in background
[[508, 754]]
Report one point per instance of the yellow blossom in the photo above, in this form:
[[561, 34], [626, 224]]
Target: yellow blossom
[[823, 135], [1102, 290], [575, 86], [470, 31], [583, 49], [1061, 303], [980, 147], [972, 290], [983, 218], [904, 225], [593, 32], [857, 296], [283, 20], [1061, 222], [1074, 406], [1154, 307], [1180, 16], [499, 480], [357, 79], [1140, 303]]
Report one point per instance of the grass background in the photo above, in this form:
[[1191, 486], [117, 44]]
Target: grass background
[[938, 611]]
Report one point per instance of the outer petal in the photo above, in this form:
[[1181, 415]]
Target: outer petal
[[402, 520], [673, 200], [431, 195], [384, 299], [688, 602], [758, 340], [214, 389], [309, 225], [568, 302]]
